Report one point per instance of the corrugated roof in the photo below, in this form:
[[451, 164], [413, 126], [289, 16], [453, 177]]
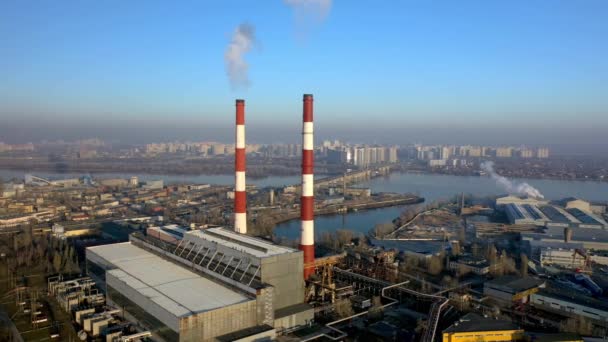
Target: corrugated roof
[[240, 242], [174, 288]]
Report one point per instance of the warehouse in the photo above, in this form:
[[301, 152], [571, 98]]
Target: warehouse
[[525, 214], [587, 219], [571, 303], [176, 303], [573, 214], [209, 284], [589, 238], [509, 289]]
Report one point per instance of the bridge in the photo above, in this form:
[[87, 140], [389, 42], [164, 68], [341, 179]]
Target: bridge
[[31, 179]]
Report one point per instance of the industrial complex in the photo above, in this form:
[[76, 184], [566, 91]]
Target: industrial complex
[[125, 260], [212, 283], [202, 285]]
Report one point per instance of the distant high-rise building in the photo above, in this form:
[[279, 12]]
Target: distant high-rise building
[[504, 152], [526, 153], [474, 151], [542, 152], [392, 154], [445, 152], [360, 156], [218, 149]]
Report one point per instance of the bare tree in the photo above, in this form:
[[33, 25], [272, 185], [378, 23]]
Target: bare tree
[[524, 265], [507, 263], [491, 253], [344, 237], [376, 311], [344, 308], [435, 265], [329, 240], [382, 229]]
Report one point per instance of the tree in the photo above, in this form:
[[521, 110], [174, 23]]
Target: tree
[[361, 242], [507, 263], [461, 271], [524, 265], [57, 263], [329, 240], [344, 308], [435, 265], [456, 248], [491, 253], [475, 249], [448, 281], [382, 229], [344, 237], [376, 311]]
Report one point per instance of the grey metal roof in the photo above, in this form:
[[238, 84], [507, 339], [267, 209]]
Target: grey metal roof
[[174, 288]]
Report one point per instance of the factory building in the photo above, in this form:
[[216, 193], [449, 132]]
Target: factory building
[[509, 289], [475, 328], [555, 253], [269, 263], [212, 284], [525, 214], [501, 201], [573, 213], [589, 238], [169, 233], [151, 289], [571, 303], [562, 257]]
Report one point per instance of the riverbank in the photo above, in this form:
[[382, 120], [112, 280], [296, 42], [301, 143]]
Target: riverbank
[[353, 207], [404, 168], [435, 187]]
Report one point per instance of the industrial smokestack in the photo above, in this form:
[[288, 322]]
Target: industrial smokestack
[[307, 201], [240, 190]]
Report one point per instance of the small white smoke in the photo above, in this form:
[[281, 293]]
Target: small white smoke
[[308, 13], [511, 187], [237, 68]]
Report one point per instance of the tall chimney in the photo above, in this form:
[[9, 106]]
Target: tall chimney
[[240, 191], [307, 201]]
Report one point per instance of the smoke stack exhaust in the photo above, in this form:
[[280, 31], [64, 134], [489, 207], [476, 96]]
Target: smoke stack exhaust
[[240, 190], [307, 201]]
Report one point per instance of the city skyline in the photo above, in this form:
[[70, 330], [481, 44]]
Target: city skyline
[[423, 74]]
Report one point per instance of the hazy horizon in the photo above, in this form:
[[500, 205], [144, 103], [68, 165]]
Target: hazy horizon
[[132, 133]]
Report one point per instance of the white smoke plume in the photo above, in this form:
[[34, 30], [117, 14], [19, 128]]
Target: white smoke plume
[[523, 189], [308, 13], [241, 43]]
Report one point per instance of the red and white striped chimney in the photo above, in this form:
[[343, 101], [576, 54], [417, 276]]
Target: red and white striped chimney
[[307, 201], [240, 193]]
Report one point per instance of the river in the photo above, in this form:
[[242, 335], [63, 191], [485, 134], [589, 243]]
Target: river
[[429, 186], [433, 187]]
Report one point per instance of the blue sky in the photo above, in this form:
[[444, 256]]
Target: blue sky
[[373, 66]]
